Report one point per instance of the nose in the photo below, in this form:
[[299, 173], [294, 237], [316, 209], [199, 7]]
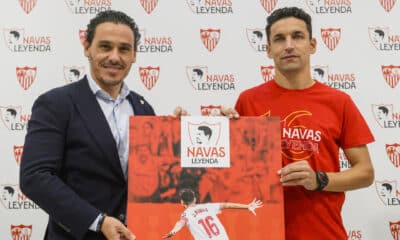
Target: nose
[[289, 43], [114, 55]]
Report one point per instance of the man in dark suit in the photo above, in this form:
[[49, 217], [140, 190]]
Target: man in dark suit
[[74, 163]]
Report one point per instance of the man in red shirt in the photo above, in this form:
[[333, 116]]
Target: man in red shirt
[[316, 121]]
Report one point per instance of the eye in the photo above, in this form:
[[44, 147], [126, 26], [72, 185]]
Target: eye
[[104, 46]]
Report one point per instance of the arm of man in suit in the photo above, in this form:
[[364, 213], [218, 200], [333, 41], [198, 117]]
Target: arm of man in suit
[[44, 150]]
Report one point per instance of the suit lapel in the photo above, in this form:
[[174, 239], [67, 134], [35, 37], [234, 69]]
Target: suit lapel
[[94, 119]]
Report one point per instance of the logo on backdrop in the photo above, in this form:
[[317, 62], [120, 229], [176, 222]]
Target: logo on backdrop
[[205, 142], [354, 234], [387, 192], [13, 199], [331, 37], [26, 76], [395, 230], [381, 39], [210, 6], [88, 6], [393, 153], [257, 39], [149, 5], [73, 73], [387, 4], [210, 38], [385, 116], [341, 81], [210, 110], [82, 36], [154, 44], [201, 80], [268, 5], [330, 7], [18, 42], [267, 72], [18, 153], [149, 76], [344, 162], [27, 5], [21, 232], [13, 119], [391, 74]]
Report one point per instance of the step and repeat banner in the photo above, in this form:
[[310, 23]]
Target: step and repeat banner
[[200, 54]]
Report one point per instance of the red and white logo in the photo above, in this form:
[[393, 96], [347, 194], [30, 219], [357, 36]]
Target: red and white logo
[[149, 76], [210, 38], [268, 73], [18, 153], [330, 7], [210, 110], [204, 133], [18, 41], [210, 6], [393, 153], [154, 44], [26, 76], [269, 5], [391, 74], [387, 192], [331, 37], [196, 75], [395, 230], [21, 232], [27, 5], [387, 4], [73, 73], [88, 7], [257, 39], [202, 80], [149, 5]]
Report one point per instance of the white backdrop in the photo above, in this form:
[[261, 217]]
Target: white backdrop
[[358, 51]]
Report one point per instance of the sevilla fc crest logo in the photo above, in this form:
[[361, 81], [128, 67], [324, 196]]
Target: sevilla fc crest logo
[[393, 153], [27, 5], [204, 133], [331, 37], [149, 5], [391, 74], [18, 153], [210, 38], [387, 4], [21, 232], [395, 230], [149, 76], [26, 76], [210, 110], [267, 73], [269, 5]]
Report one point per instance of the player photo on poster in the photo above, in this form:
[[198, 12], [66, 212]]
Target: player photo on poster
[[241, 200]]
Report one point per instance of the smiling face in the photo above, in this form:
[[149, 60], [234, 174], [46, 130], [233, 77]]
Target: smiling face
[[111, 55], [290, 45]]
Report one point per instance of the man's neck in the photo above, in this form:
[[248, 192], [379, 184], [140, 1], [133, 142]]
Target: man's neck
[[294, 80]]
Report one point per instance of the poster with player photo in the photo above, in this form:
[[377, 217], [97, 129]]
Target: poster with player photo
[[241, 201]]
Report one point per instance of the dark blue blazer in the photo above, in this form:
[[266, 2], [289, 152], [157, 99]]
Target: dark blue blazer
[[70, 165]]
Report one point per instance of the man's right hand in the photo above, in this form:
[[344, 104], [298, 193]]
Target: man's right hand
[[113, 229], [229, 112]]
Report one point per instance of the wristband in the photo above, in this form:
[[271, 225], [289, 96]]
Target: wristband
[[322, 180], [100, 222]]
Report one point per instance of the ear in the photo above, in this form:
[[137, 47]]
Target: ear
[[86, 46], [268, 51], [313, 45]]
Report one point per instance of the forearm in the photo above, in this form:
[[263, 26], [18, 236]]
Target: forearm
[[351, 179], [234, 205]]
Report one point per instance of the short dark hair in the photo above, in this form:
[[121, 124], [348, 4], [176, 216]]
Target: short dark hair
[[387, 186], [320, 71], [380, 32], [207, 131], [10, 190], [112, 16], [258, 34], [15, 34], [12, 111], [384, 109], [287, 12], [198, 71], [187, 195], [76, 72]]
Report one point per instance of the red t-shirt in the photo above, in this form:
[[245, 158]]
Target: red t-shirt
[[315, 122]]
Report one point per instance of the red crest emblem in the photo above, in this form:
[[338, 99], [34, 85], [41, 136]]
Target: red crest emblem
[[267, 72], [27, 5], [393, 153], [214, 133], [18, 153], [149, 76], [210, 38], [331, 37], [210, 110], [395, 230], [26, 76], [21, 232], [387, 4], [391, 74], [196, 75], [269, 5], [149, 5]]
